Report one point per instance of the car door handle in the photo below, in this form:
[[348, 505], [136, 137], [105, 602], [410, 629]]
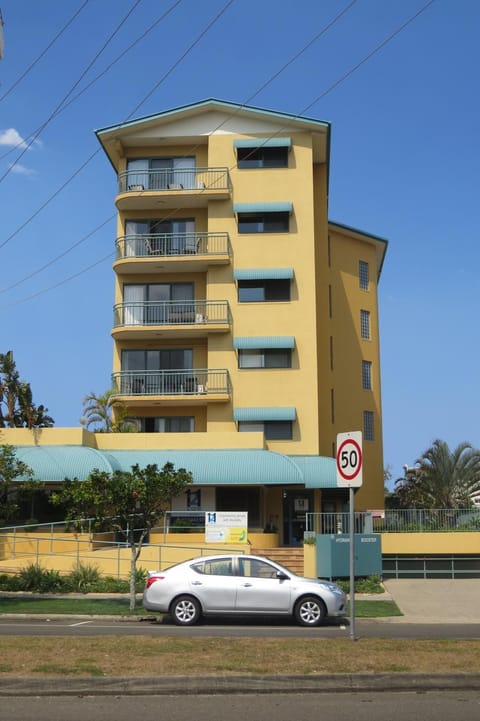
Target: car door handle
[[247, 585], [197, 583]]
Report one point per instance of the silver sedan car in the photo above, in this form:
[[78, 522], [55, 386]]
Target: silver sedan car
[[237, 585]]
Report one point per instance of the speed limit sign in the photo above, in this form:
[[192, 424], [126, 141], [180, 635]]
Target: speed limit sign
[[349, 460]]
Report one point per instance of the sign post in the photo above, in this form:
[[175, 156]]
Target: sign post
[[350, 475]]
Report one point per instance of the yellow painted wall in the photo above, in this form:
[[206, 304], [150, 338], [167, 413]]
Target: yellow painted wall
[[466, 542], [342, 398]]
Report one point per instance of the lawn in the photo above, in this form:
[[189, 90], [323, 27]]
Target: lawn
[[120, 607]]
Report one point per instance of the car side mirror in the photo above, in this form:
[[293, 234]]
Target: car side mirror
[[282, 576]]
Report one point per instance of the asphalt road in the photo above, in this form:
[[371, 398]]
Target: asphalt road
[[364, 628], [363, 706]]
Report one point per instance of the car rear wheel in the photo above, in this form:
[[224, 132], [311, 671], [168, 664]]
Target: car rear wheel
[[310, 611], [185, 611]]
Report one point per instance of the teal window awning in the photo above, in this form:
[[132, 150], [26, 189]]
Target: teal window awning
[[263, 143], [263, 274], [263, 341], [287, 413], [279, 207]]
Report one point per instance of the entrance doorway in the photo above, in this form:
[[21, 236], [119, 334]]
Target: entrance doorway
[[296, 504]]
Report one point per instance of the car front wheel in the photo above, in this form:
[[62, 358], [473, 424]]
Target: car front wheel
[[310, 611], [185, 611]]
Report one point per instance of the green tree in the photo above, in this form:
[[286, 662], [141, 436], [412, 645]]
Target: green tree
[[17, 409], [98, 412], [15, 476], [128, 502], [441, 478]]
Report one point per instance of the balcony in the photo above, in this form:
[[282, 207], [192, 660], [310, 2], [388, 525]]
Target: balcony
[[185, 188], [172, 319], [172, 387], [186, 252]]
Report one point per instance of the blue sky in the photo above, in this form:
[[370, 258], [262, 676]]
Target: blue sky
[[404, 166]]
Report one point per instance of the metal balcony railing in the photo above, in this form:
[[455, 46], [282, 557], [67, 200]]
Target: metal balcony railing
[[173, 244], [397, 521], [168, 180], [191, 381], [172, 312]]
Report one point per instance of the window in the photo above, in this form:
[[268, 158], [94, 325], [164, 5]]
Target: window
[[258, 291], [363, 274], [265, 358], [272, 430], [160, 173], [167, 424], [367, 375], [230, 498], [275, 222], [253, 568], [365, 323], [262, 157], [148, 303], [160, 237], [218, 567], [368, 425], [158, 372]]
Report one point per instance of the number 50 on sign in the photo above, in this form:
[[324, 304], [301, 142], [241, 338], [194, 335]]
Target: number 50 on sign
[[349, 460]]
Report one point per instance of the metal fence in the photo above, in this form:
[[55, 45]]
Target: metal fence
[[173, 244], [397, 521], [172, 312], [168, 179], [172, 382]]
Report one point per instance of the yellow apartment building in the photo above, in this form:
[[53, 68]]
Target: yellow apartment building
[[245, 331]]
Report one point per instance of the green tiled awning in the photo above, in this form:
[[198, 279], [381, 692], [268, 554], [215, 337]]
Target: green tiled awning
[[263, 143], [263, 207], [263, 274], [264, 341], [286, 413]]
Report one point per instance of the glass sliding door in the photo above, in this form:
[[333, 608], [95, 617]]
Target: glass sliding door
[[134, 297]]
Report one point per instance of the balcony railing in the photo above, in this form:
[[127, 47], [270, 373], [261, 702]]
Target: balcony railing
[[168, 180], [172, 312], [191, 381], [397, 521], [173, 244]]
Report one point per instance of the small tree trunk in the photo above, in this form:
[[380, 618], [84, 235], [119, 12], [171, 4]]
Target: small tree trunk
[[133, 568]]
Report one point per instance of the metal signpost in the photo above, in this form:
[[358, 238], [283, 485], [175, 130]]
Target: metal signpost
[[350, 475]]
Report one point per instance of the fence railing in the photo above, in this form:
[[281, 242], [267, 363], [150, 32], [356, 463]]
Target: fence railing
[[171, 179], [397, 521], [173, 244], [171, 312], [192, 381]]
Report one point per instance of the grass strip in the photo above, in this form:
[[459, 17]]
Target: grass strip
[[155, 655], [120, 607]]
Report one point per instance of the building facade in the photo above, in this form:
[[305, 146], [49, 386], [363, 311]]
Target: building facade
[[245, 328]]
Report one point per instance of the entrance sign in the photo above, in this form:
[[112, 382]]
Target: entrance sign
[[226, 526], [349, 460]]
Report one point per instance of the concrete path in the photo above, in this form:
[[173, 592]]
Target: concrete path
[[436, 600]]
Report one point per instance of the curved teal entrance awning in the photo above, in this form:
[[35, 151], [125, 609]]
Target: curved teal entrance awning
[[222, 467]]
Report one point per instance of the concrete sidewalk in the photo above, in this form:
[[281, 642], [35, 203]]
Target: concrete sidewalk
[[435, 600]]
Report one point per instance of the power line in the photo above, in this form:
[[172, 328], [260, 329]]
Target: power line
[[299, 114], [262, 87], [44, 52], [71, 178], [104, 71], [82, 75], [60, 256]]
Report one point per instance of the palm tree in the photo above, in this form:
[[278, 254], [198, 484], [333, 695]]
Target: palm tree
[[97, 409], [441, 478], [17, 409]]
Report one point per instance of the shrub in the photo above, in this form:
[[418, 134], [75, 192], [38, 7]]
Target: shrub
[[83, 578], [40, 580]]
